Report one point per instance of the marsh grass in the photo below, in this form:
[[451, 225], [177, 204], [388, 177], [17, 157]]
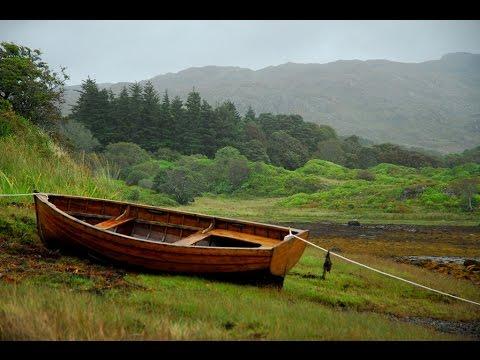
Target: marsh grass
[[31, 160], [270, 209]]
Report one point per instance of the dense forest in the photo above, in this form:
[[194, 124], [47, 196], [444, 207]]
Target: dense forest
[[140, 115]]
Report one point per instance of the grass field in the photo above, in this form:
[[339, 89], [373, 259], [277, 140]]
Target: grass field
[[44, 295], [271, 209]]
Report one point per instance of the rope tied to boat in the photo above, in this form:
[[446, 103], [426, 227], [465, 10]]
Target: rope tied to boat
[[26, 194], [290, 236]]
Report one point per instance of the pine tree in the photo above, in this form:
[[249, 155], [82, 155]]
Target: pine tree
[[191, 134], [165, 123], [250, 115], [135, 112], [229, 124], [208, 130], [149, 119], [121, 111], [177, 120], [92, 109]]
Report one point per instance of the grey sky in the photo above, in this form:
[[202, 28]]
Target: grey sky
[[113, 51]]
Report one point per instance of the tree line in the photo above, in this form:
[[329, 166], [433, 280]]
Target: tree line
[[140, 115]]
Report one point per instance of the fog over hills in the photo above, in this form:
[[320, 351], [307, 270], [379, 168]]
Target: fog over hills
[[433, 104]]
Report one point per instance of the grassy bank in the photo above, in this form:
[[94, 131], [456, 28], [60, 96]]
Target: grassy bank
[[31, 160]]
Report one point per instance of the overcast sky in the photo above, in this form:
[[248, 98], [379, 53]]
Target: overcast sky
[[114, 51]]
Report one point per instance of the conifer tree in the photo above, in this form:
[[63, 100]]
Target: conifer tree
[[92, 109], [123, 126], [165, 123], [250, 115], [149, 119], [229, 125], [208, 130], [177, 118], [191, 133]]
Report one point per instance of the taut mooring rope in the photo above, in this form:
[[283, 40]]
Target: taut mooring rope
[[28, 194], [379, 271]]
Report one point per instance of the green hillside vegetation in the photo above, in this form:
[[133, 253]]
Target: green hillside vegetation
[[318, 184]]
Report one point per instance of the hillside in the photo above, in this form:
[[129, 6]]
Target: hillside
[[434, 104]]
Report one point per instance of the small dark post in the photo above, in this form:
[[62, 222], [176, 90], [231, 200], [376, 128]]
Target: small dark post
[[327, 265]]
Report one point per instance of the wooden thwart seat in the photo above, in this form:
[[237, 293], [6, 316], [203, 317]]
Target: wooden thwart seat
[[201, 235], [192, 239], [264, 241], [108, 224], [119, 220]]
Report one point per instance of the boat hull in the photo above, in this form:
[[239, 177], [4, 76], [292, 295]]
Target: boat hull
[[59, 230]]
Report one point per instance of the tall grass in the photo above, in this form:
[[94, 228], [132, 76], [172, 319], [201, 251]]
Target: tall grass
[[31, 160]]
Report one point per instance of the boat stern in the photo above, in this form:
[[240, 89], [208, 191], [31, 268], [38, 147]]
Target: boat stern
[[287, 254]]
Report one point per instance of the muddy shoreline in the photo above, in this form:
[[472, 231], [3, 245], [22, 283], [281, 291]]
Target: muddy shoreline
[[385, 231], [464, 328]]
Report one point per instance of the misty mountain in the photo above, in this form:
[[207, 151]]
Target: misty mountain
[[433, 104]]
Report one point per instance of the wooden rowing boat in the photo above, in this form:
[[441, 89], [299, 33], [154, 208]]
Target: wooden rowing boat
[[166, 240]]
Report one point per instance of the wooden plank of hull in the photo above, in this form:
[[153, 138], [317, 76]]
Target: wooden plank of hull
[[58, 229], [286, 255]]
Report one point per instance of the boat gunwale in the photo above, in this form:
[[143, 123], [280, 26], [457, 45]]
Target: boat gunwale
[[68, 216]]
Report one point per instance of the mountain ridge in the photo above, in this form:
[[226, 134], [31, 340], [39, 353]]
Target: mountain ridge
[[433, 104]]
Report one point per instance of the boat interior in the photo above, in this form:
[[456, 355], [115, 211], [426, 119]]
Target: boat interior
[[168, 226]]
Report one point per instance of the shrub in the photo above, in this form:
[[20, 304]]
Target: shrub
[[124, 155], [135, 176], [326, 169], [134, 195], [5, 127], [287, 151], [146, 183], [164, 153], [303, 184], [78, 136], [231, 168], [179, 183], [365, 175]]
